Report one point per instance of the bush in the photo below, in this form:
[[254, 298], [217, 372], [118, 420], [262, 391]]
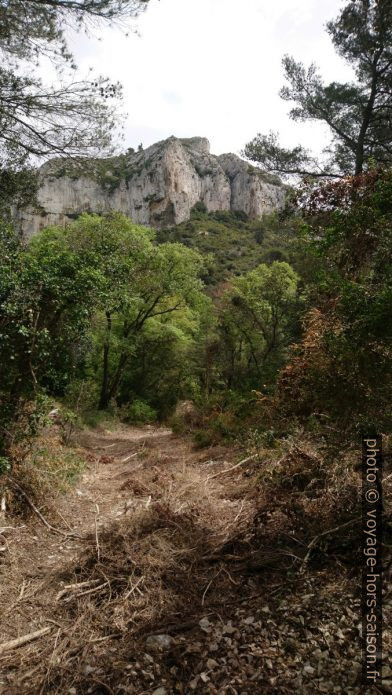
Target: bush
[[56, 464], [82, 395], [204, 438], [140, 412], [340, 372], [100, 419]]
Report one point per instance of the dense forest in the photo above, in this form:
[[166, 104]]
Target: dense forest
[[292, 310]]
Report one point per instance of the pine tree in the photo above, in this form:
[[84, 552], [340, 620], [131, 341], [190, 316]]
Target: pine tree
[[74, 117], [359, 113]]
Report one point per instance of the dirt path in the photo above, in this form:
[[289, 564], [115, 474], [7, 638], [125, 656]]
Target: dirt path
[[148, 512], [126, 470], [101, 495]]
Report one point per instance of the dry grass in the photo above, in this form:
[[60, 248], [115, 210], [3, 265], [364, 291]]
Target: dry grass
[[150, 569], [48, 469], [138, 576], [184, 548], [304, 491]]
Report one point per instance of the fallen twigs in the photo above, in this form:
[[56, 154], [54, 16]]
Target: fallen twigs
[[93, 590], [74, 589], [24, 639], [69, 588], [232, 468], [31, 504], [316, 539], [96, 532]]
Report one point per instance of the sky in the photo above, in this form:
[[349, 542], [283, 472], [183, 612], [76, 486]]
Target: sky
[[212, 68]]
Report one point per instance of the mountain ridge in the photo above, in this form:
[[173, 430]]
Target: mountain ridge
[[157, 186]]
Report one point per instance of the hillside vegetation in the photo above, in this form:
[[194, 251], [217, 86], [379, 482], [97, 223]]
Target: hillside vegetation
[[231, 241], [296, 308]]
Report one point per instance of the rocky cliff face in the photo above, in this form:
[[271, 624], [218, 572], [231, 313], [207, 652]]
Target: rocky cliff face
[[156, 187]]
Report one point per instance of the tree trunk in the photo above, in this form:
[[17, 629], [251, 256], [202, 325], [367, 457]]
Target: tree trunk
[[115, 383], [104, 395], [367, 115]]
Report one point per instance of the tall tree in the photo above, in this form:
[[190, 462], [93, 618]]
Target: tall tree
[[340, 372], [72, 117], [162, 283], [48, 293], [256, 317], [142, 281], [358, 113]]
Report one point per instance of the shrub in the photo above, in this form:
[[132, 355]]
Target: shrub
[[204, 438], [140, 412], [341, 371]]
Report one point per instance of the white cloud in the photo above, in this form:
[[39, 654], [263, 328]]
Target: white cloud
[[213, 68]]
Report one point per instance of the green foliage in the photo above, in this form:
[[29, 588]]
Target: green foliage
[[68, 424], [106, 419], [357, 113], [255, 325], [244, 417], [81, 395], [161, 369], [59, 466], [257, 439], [100, 314], [142, 282], [231, 243], [18, 189], [4, 464], [140, 412], [96, 311], [109, 172], [47, 296], [342, 368], [145, 303], [204, 438], [266, 150]]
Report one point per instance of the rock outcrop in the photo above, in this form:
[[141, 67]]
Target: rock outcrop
[[158, 186]]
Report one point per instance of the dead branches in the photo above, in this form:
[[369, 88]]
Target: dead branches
[[316, 539], [74, 589], [36, 511], [232, 468], [24, 639]]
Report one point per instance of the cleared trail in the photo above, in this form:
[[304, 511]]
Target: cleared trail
[[159, 539], [101, 495]]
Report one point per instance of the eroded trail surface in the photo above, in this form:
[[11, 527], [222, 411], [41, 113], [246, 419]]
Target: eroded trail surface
[[98, 497], [151, 584]]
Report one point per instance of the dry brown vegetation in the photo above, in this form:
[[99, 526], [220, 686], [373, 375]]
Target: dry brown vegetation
[[168, 540]]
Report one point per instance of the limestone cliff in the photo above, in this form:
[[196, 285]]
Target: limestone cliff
[[157, 186]]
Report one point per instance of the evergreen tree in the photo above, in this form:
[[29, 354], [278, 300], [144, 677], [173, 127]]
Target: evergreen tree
[[358, 113], [72, 117]]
